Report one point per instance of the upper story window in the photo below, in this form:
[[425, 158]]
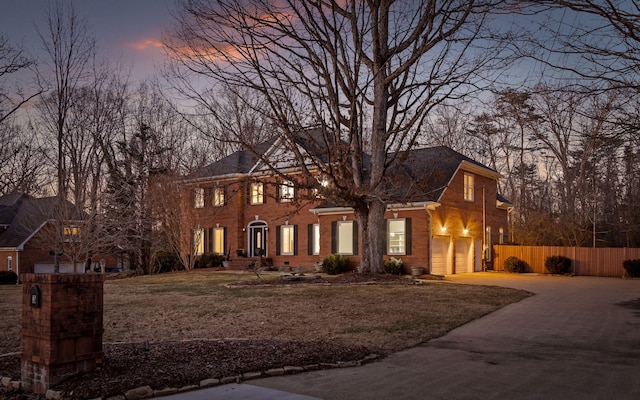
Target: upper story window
[[257, 193], [218, 196], [468, 187], [286, 191], [198, 198], [71, 233]]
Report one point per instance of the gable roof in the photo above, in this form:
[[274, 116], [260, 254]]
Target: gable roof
[[418, 174], [24, 215]]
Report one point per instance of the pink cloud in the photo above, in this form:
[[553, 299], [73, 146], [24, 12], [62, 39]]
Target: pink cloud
[[146, 44]]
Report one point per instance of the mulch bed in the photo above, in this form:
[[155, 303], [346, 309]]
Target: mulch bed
[[179, 364]]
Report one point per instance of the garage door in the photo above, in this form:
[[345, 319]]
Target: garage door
[[440, 255], [464, 255]]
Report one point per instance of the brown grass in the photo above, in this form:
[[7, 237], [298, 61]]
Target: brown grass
[[199, 304]]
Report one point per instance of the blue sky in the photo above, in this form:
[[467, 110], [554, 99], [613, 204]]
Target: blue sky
[[126, 30]]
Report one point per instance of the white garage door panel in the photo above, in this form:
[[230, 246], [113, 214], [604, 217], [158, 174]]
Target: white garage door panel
[[464, 256], [439, 258]]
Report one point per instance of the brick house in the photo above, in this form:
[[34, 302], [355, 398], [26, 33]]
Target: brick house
[[238, 206], [26, 243]]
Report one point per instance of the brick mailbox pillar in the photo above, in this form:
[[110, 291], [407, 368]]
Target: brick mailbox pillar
[[61, 327]]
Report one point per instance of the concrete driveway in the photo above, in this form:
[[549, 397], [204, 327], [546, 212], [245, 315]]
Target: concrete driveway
[[572, 340]]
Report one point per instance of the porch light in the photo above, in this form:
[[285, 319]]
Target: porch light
[[465, 231], [443, 229]]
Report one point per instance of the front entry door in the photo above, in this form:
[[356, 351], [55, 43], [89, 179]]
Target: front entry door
[[257, 239]]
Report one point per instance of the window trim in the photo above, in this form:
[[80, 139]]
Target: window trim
[[290, 192], [335, 237], [219, 196], [198, 197], [469, 187], [259, 193], [389, 234]]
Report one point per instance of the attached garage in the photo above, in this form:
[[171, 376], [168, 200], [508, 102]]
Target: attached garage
[[464, 255], [441, 247]]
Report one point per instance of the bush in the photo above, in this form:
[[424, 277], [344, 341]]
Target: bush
[[514, 264], [336, 264], [209, 260], [8, 278], [393, 266], [167, 262], [558, 265], [632, 267]]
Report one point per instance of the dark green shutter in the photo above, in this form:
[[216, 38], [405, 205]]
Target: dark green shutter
[[407, 236], [295, 240], [278, 240], [334, 236], [208, 248], [224, 241], [355, 238], [386, 236], [309, 239]]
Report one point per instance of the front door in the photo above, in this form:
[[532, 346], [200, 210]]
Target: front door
[[257, 239]]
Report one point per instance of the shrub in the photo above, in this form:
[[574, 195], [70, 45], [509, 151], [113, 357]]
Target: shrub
[[632, 267], [167, 262], [393, 266], [8, 278], [514, 264], [336, 264], [558, 264], [209, 260]]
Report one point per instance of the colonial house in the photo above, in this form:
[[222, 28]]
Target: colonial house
[[28, 239], [241, 207]]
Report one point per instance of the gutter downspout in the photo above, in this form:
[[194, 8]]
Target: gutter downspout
[[430, 239], [484, 232]]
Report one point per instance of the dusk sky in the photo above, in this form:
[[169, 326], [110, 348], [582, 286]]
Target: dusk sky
[[126, 30]]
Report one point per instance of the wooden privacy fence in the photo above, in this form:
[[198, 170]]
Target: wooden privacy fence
[[586, 261]]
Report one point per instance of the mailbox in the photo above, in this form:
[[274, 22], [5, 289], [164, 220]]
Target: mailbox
[[34, 296]]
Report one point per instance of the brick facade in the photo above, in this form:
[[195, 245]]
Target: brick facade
[[63, 335]]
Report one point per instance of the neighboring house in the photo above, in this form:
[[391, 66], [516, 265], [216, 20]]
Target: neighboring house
[[26, 239], [450, 214]]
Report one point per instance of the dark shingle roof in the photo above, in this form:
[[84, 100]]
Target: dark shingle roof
[[25, 214]]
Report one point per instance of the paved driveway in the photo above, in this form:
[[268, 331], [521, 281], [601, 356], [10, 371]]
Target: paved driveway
[[572, 340]]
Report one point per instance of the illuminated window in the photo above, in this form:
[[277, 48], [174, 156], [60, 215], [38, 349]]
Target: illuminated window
[[468, 187], [198, 241], [501, 237], [287, 191], [198, 198], [9, 263], [315, 239], [287, 240], [218, 240], [71, 233], [396, 236], [488, 244], [345, 237], [257, 193], [218, 196]]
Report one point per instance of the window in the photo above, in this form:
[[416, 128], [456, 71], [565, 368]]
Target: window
[[286, 191], [198, 241], [468, 187], [198, 199], [315, 239], [501, 237], [487, 244], [218, 196], [218, 241], [344, 238], [257, 193], [287, 240], [397, 236], [71, 233], [9, 263]]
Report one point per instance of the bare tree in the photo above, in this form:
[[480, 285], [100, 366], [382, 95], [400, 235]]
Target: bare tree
[[365, 74], [13, 61], [70, 47]]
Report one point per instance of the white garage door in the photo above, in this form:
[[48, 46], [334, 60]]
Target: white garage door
[[464, 255], [440, 255]]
